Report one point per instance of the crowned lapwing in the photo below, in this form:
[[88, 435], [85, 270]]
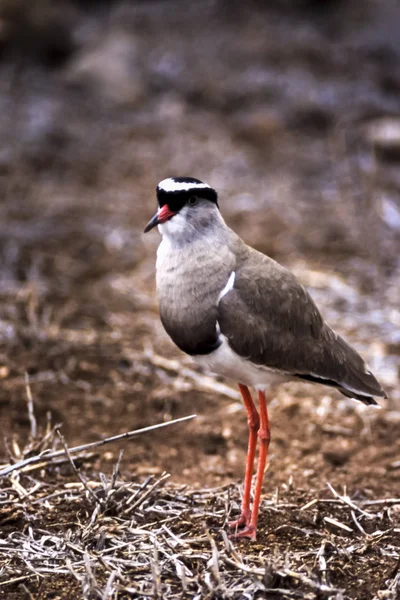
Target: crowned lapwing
[[242, 315]]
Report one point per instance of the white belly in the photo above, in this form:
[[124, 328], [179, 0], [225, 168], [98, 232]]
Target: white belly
[[224, 361]]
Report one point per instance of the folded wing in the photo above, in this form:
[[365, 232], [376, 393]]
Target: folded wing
[[269, 318]]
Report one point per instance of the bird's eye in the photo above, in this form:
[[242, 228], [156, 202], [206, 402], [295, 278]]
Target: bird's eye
[[192, 201]]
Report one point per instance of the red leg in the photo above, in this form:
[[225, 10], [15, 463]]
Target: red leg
[[253, 421], [264, 435]]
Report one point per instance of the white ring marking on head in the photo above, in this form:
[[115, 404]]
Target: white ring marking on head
[[169, 185], [228, 286]]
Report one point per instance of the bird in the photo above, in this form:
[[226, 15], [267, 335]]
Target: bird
[[245, 317]]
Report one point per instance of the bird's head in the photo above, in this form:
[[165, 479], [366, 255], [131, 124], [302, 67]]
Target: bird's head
[[184, 203]]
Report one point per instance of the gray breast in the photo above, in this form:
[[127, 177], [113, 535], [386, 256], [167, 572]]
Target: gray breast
[[189, 281]]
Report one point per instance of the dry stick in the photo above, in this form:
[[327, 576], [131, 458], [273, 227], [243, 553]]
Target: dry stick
[[346, 500], [31, 413], [389, 501], [307, 581], [27, 593], [16, 579], [76, 471], [282, 573], [213, 562], [110, 488], [322, 562], [155, 569], [142, 498], [337, 523], [108, 592], [359, 526], [48, 456]]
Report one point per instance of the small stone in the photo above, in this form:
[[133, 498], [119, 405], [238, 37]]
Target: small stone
[[384, 135], [4, 372], [338, 457]]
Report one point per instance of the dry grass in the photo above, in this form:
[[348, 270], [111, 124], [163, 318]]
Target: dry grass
[[111, 538]]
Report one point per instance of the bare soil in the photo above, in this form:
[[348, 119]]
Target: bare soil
[[270, 103]]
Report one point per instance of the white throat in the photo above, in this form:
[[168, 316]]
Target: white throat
[[175, 228]]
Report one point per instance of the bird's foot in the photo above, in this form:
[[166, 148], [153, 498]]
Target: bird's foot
[[243, 526], [243, 520], [249, 531]]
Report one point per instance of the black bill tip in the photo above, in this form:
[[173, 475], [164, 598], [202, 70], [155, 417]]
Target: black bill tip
[[151, 224]]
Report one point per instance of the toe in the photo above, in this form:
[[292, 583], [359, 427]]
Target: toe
[[249, 532], [242, 521]]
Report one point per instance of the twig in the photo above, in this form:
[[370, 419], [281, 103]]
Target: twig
[[142, 498], [15, 579], [108, 592], [322, 562], [359, 526], [155, 568], [213, 562], [48, 456], [347, 501], [27, 593], [320, 587], [283, 573], [31, 413], [115, 473], [390, 501], [76, 471], [337, 523]]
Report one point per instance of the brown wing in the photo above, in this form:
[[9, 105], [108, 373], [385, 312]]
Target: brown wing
[[269, 318]]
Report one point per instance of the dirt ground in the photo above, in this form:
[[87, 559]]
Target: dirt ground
[[291, 110]]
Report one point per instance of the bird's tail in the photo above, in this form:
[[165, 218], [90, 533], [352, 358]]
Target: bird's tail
[[338, 365], [353, 377]]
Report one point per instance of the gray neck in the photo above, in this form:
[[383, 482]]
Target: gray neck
[[194, 262]]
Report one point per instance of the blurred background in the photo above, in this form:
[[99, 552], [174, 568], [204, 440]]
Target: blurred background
[[289, 108]]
